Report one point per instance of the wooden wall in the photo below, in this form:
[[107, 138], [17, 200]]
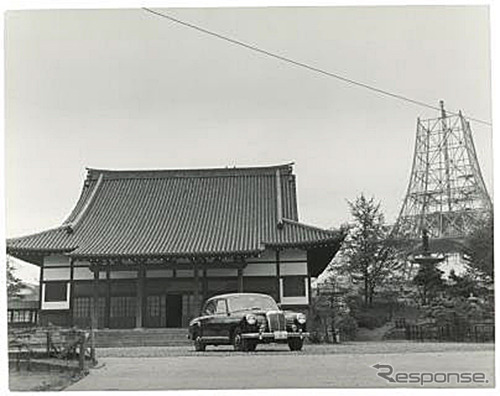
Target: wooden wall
[[260, 275]]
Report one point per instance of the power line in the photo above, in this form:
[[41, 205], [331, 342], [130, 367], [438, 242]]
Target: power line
[[303, 65]]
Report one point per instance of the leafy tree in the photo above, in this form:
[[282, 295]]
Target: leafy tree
[[370, 258], [479, 248], [330, 311], [429, 282], [462, 286], [14, 284]]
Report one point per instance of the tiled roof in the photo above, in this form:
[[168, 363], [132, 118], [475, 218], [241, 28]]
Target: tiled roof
[[179, 213]]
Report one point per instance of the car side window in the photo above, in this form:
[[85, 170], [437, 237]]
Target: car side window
[[209, 308], [221, 307]]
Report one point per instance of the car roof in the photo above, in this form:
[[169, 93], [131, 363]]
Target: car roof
[[237, 294]]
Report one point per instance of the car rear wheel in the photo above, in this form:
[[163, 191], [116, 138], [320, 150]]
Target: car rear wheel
[[199, 345], [295, 344]]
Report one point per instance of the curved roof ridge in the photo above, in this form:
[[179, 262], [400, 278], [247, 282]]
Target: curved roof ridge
[[315, 228], [286, 164], [189, 172], [88, 202]]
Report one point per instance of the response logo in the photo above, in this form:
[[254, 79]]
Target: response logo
[[386, 372]]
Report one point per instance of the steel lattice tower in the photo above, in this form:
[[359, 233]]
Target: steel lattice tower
[[446, 194]]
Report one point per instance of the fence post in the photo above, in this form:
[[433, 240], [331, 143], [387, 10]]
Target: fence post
[[48, 343], [29, 359], [83, 347], [18, 360]]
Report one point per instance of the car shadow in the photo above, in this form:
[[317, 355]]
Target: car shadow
[[229, 351]]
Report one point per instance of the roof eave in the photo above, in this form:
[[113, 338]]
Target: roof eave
[[166, 255]]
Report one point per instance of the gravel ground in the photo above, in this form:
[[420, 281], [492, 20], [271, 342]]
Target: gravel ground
[[315, 367], [309, 349]]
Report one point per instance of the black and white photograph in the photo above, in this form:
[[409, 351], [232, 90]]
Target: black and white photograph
[[221, 198]]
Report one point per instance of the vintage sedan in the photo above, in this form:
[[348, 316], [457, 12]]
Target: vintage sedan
[[245, 320]]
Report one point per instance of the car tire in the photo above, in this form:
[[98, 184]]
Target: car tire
[[239, 343], [251, 346], [199, 345], [295, 344]]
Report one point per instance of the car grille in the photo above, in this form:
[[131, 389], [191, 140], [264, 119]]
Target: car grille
[[276, 321]]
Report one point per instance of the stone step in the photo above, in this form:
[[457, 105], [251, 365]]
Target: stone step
[[141, 337]]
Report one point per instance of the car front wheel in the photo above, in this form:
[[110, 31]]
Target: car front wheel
[[239, 343], [199, 346], [295, 344], [251, 345]]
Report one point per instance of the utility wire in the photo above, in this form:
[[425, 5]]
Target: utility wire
[[303, 65]]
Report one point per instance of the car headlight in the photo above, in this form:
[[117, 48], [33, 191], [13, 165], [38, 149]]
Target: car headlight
[[251, 319], [301, 318]]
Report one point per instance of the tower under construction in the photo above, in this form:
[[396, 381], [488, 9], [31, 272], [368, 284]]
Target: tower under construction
[[446, 194]]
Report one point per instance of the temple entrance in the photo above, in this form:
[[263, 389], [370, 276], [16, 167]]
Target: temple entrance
[[163, 310], [174, 310]]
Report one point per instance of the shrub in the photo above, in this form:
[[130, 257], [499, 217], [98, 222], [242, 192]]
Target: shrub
[[371, 319], [316, 330], [348, 327]]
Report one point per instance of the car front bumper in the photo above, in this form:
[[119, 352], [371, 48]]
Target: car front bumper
[[276, 336]]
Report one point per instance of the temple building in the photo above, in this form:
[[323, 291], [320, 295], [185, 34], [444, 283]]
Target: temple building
[[144, 248]]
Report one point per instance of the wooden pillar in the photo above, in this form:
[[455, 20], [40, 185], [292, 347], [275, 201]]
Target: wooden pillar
[[94, 305], [140, 300], [204, 281], [240, 280], [196, 290], [71, 291], [40, 290], [94, 312], [278, 276], [107, 313], [309, 296]]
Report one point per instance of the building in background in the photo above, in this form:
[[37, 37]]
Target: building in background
[[146, 247], [23, 308]]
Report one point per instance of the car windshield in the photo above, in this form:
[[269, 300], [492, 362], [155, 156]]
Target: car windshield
[[250, 301]]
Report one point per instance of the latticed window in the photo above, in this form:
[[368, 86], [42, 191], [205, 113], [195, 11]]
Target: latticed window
[[122, 306], [82, 307], [101, 307], [154, 304]]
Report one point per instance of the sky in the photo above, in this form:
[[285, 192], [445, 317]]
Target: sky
[[125, 89]]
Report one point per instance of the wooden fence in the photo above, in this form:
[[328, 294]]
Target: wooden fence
[[476, 332], [50, 342]]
